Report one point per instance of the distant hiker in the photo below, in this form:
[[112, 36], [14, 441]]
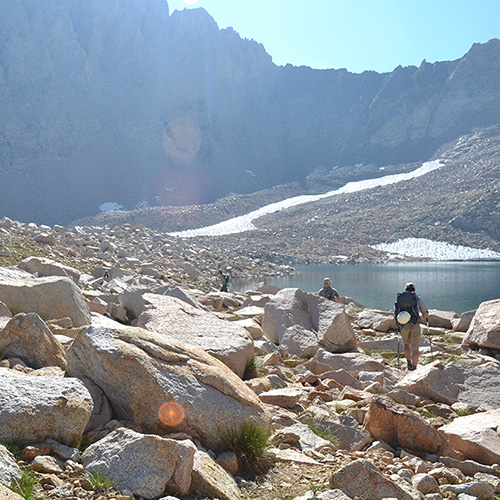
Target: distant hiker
[[224, 279], [106, 275], [329, 292], [406, 312]]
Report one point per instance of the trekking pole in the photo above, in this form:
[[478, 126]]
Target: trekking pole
[[430, 341], [399, 341]]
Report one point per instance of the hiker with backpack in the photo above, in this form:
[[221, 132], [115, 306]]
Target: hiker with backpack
[[328, 292], [407, 311], [224, 279]]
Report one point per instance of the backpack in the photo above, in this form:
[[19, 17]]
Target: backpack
[[330, 294], [407, 301]]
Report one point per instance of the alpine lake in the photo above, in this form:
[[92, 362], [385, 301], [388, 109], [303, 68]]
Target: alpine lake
[[447, 286]]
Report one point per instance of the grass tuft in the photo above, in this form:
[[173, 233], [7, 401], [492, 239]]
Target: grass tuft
[[99, 480], [324, 433], [254, 368], [26, 485], [250, 443]]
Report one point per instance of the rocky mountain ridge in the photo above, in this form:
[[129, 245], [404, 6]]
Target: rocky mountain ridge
[[126, 103]]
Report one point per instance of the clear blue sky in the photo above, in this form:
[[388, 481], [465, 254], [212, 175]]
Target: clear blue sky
[[357, 34]]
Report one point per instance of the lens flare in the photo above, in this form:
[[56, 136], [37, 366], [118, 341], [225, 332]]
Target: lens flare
[[171, 413], [182, 140]]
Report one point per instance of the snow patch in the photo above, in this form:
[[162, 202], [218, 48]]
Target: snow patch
[[110, 206], [436, 250], [244, 222]]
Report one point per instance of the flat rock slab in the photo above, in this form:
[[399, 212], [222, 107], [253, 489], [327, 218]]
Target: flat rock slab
[[225, 340], [50, 298], [476, 436], [362, 479], [450, 382], [352, 362]]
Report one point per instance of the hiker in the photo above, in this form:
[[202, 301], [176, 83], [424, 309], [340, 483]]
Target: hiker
[[406, 312], [224, 279], [329, 292], [106, 275]]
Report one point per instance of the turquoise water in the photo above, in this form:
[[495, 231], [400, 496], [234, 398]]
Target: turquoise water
[[449, 286]]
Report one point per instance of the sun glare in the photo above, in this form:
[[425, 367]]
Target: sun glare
[[171, 413]]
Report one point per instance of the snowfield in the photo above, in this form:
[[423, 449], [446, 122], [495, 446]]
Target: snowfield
[[411, 247], [244, 222], [436, 250]]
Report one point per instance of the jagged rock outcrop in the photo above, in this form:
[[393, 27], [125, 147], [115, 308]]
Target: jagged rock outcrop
[[302, 322]]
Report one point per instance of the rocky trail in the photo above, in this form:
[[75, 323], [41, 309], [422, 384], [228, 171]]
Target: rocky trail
[[140, 386]]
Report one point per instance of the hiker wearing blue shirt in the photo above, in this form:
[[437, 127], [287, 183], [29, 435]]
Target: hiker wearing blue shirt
[[407, 310]]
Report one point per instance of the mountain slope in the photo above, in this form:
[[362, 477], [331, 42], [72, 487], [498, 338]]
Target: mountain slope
[[120, 101]]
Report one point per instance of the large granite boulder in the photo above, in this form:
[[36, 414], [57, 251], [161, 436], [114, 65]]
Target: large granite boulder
[[361, 479], [476, 436], [484, 330], [131, 299], [139, 371], [381, 322], [164, 463], [225, 340], [302, 322], [26, 336], [51, 298], [462, 323], [399, 426], [36, 408], [9, 470], [42, 266], [441, 319], [450, 382], [210, 480]]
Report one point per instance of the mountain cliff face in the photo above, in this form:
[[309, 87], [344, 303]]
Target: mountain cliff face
[[119, 101]]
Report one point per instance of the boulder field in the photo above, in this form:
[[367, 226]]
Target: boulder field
[[141, 380]]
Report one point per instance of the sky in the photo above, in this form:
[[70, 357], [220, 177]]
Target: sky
[[358, 35]]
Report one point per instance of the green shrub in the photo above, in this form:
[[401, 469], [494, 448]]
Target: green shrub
[[250, 443]]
